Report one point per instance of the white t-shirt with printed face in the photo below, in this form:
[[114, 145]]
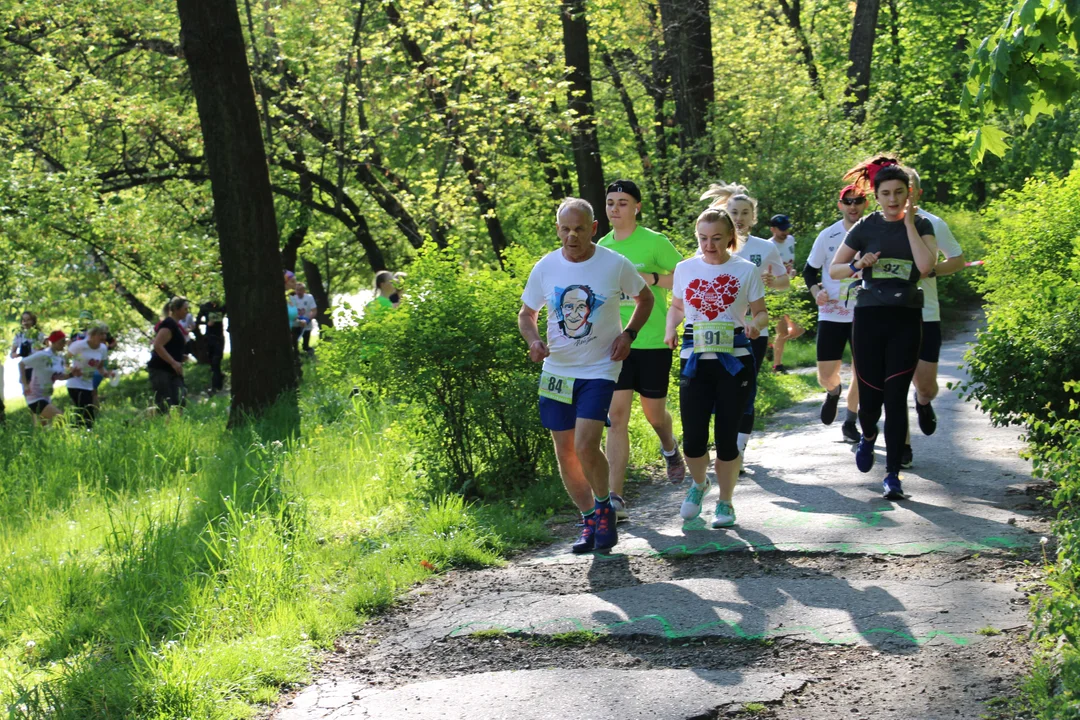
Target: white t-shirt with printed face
[[43, 364], [947, 245], [765, 255], [305, 307], [583, 319], [87, 359], [716, 292], [841, 304]]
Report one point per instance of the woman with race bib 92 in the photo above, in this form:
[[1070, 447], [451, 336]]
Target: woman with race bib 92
[[895, 247], [712, 292]]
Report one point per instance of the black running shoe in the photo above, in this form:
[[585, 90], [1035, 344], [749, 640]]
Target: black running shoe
[[779, 369], [927, 417], [828, 408], [907, 459], [850, 432]]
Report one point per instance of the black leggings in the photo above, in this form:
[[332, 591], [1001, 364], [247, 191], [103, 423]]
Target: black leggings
[[714, 389], [84, 410], [885, 345], [759, 345]]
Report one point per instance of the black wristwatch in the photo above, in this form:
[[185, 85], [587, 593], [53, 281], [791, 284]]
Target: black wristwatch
[[631, 333]]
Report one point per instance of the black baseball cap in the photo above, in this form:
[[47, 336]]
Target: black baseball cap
[[780, 222], [625, 186]]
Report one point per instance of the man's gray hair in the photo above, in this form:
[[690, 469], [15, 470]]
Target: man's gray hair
[[914, 176], [573, 203]]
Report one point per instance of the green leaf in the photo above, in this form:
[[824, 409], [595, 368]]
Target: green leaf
[[988, 139]]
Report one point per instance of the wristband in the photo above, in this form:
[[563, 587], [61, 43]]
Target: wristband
[[655, 279], [853, 268]]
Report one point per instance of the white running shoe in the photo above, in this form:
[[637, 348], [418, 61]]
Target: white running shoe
[[619, 506], [725, 515], [691, 506]]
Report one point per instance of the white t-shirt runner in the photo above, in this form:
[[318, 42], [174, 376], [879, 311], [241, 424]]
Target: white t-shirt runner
[[87, 359], [787, 252], [841, 305], [305, 307], [583, 319], [765, 255], [947, 245], [43, 364], [712, 293]]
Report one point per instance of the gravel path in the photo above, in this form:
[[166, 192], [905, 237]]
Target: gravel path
[[824, 602]]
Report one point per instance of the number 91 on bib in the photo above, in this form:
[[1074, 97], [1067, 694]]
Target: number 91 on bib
[[557, 387], [714, 337]]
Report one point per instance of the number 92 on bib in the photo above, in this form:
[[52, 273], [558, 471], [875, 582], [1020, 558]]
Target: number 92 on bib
[[716, 337], [557, 387]]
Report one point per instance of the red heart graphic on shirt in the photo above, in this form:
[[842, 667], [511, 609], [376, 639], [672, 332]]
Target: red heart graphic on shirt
[[712, 297]]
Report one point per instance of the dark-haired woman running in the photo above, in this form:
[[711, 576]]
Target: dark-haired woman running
[[897, 246]]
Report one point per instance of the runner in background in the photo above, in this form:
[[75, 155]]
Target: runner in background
[[742, 209], [45, 368], [28, 340], [786, 328], [387, 296], [306, 310], [836, 309], [647, 370], [715, 292], [88, 357], [166, 366], [212, 317], [925, 381], [581, 284], [893, 248]]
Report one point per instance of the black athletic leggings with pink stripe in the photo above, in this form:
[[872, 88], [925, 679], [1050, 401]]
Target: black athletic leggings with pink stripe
[[885, 345]]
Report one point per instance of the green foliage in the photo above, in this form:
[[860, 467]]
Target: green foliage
[[1028, 66], [967, 227], [452, 359], [1032, 286], [1050, 692]]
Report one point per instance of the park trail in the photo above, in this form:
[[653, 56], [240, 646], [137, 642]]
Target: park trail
[[825, 601]]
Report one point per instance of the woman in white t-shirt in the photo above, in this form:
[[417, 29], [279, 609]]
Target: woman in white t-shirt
[[28, 340], [38, 372], [741, 207], [714, 292], [87, 357]]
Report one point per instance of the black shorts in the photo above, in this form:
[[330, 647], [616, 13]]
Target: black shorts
[[931, 342], [646, 372], [37, 406], [831, 339]]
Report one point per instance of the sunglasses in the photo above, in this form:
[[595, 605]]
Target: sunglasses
[[853, 201]]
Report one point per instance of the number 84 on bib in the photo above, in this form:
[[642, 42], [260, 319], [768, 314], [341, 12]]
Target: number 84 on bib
[[557, 387]]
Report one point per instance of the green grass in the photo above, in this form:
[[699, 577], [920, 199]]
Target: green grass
[[170, 568]]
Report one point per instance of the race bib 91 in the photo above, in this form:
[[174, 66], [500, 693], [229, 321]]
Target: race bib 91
[[716, 337], [557, 387], [892, 268]]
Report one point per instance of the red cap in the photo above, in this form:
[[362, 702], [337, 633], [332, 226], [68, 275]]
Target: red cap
[[851, 189], [56, 336]]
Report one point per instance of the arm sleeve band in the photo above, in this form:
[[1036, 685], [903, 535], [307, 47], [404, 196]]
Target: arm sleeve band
[[811, 276]]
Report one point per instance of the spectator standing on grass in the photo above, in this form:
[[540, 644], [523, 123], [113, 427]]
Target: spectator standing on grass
[[166, 367], [28, 340], [212, 317], [786, 328], [88, 357], [45, 368], [306, 310]]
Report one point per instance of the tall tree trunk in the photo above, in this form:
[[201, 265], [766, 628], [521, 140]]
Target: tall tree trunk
[[262, 360], [319, 290], [793, 13], [688, 48], [590, 170], [860, 57], [635, 128]]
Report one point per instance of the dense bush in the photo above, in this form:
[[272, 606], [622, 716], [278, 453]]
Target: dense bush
[[1032, 286], [452, 360], [1024, 372]]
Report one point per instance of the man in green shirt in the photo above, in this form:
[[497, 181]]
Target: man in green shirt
[[647, 370]]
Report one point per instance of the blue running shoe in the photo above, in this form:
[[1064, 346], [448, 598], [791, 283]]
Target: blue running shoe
[[891, 487], [605, 534], [691, 506], [585, 543], [864, 454]]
